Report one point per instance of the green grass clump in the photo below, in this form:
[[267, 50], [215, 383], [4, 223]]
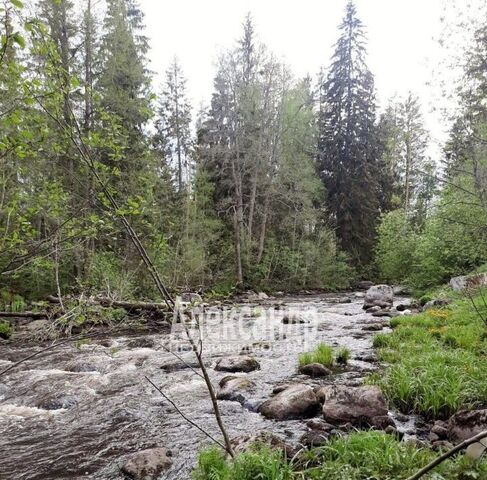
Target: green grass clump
[[438, 361], [342, 355], [5, 330], [323, 354], [259, 463]]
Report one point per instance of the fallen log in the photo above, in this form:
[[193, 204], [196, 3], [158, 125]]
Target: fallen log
[[109, 302], [13, 315]]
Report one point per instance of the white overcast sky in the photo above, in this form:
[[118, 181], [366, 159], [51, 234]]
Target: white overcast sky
[[402, 40]]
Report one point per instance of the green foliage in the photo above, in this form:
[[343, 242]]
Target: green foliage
[[359, 456], [258, 462], [6, 330], [342, 356], [438, 360]]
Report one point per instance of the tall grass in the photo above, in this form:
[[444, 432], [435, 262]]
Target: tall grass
[[366, 455], [438, 361]]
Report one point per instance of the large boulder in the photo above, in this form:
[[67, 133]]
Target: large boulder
[[241, 363], [296, 401], [359, 406], [466, 423], [233, 388], [379, 295], [465, 282], [147, 464]]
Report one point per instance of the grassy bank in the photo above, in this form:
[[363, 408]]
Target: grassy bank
[[360, 456], [438, 359]]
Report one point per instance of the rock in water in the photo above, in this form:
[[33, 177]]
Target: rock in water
[[360, 406], [242, 363], [466, 424], [233, 388], [379, 295], [296, 401], [191, 297], [315, 370], [147, 464]]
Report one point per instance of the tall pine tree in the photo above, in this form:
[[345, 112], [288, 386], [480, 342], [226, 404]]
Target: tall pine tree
[[347, 141]]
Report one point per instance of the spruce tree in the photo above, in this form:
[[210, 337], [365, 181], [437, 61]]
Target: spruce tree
[[347, 141], [173, 125]]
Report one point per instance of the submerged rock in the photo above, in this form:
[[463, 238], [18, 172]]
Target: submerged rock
[[233, 388], [360, 406], [57, 403], [293, 319], [315, 370], [147, 464], [296, 401], [241, 363], [379, 295]]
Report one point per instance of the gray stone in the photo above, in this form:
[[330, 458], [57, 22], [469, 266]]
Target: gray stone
[[297, 401], [240, 363], [147, 464], [234, 388], [315, 370], [379, 295], [465, 282], [360, 406]]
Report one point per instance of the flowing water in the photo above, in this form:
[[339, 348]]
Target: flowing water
[[80, 410]]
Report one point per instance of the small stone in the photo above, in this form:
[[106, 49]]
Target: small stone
[[372, 327], [293, 319], [440, 431]]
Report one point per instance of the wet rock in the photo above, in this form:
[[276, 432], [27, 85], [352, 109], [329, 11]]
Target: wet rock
[[402, 306], [401, 290], [293, 319], [147, 464], [233, 388], [176, 366], [366, 358], [466, 424], [81, 367], [440, 431], [400, 417], [314, 438], [361, 406], [315, 370], [282, 387], [191, 297], [382, 422], [441, 445], [391, 430], [319, 424], [384, 313], [255, 346], [379, 295], [241, 363], [373, 309], [364, 285], [438, 303], [359, 294], [297, 401], [57, 403], [432, 437], [372, 327], [468, 282], [244, 442], [142, 342]]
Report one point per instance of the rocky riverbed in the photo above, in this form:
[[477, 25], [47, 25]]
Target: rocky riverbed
[[82, 410]]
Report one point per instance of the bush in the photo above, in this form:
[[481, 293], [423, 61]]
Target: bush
[[342, 355], [5, 330]]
